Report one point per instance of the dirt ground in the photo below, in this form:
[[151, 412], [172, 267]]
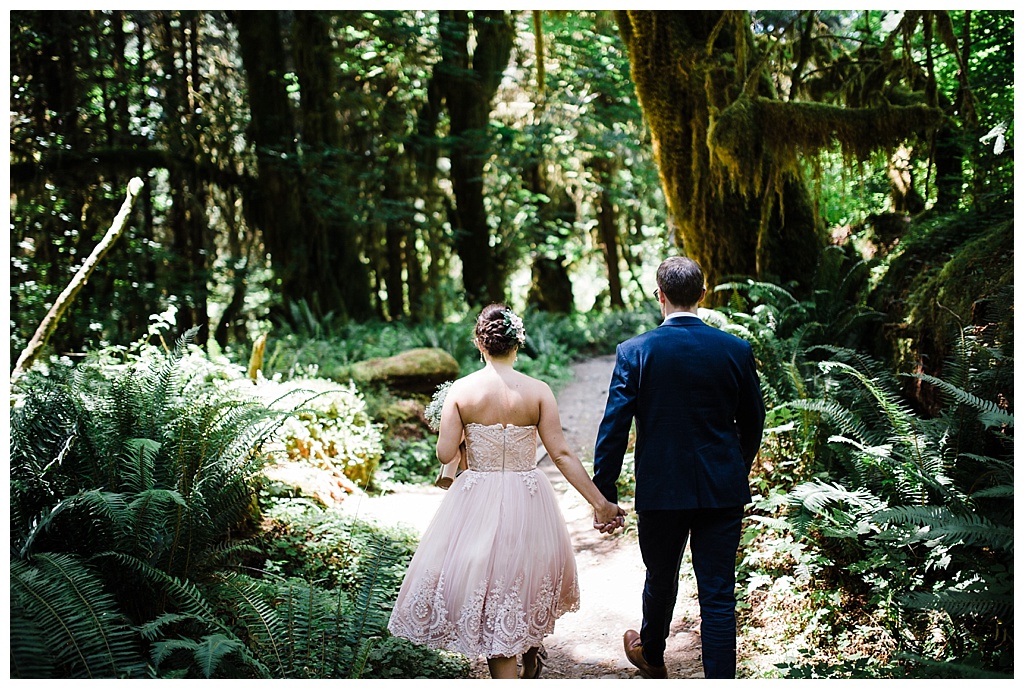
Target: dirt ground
[[586, 643]]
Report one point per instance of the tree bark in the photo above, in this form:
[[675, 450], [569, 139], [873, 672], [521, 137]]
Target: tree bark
[[187, 214], [550, 286], [688, 66], [336, 274], [607, 228]]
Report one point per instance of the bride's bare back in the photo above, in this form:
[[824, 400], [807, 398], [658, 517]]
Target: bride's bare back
[[498, 394]]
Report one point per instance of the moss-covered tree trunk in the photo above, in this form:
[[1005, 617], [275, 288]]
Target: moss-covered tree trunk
[[688, 66], [313, 251], [550, 286]]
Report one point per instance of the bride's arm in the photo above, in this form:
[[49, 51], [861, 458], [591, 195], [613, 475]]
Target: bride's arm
[[450, 432], [550, 429]]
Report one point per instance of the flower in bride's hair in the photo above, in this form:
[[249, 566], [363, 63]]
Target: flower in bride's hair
[[514, 327], [433, 411]]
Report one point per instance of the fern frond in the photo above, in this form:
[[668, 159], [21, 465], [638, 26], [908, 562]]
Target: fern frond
[[953, 529], [962, 603], [265, 626], [188, 599], [989, 413], [64, 600], [209, 653], [759, 290], [847, 422], [103, 511], [361, 655], [945, 667], [368, 618], [814, 499], [138, 466]]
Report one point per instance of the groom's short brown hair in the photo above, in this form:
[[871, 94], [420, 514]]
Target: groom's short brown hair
[[681, 280]]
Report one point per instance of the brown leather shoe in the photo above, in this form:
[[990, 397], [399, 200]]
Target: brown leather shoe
[[635, 655]]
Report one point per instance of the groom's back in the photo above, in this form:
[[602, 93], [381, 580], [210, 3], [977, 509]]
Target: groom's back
[[693, 387]]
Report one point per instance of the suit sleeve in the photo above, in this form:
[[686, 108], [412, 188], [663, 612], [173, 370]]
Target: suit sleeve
[[613, 434], [750, 413]]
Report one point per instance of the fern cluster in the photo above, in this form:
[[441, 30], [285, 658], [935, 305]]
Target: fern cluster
[[872, 509], [917, 509], [136, 534]]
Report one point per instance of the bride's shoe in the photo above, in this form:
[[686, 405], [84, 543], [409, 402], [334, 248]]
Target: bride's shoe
[[536, 671]]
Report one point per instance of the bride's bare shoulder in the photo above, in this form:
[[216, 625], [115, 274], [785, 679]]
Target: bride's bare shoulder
[[534, 385]]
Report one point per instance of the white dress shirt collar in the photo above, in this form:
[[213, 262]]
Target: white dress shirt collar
[[679, 314]]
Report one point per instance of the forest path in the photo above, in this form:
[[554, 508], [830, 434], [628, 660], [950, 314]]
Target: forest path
[[586, 643]]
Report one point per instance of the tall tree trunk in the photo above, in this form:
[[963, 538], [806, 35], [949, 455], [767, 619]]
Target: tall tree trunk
[[187, 217], [608, 227], [340, 279], [688, 66], [424, 150], [274, 203], [550, 286], [470, 80]]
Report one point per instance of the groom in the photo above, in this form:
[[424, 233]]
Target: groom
[[694, 392]]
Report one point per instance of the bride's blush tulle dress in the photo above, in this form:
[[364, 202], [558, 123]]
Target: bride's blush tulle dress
[[495, 567]]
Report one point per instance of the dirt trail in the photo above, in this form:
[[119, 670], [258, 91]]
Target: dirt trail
[[586, 643]]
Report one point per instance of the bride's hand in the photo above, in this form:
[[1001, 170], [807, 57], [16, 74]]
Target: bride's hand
[[608, 517]]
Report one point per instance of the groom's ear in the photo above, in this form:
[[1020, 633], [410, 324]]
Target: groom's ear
[[703, 293]]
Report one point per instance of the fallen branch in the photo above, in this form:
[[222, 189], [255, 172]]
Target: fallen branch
[[49, 323]]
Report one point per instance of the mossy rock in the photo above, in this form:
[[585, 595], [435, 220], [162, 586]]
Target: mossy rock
[[955, 274], [416, 370]]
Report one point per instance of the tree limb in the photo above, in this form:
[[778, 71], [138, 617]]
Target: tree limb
[[49, 323]]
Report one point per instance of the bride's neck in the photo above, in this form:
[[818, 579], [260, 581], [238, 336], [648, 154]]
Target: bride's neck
[[500, 362]]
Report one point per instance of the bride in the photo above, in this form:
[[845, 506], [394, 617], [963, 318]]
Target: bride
[[495, 567]]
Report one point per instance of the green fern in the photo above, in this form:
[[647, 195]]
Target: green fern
[[66, 624], [989, 413], [209, 655], [942, 524]]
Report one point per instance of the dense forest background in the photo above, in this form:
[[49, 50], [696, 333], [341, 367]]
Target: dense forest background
[[323, 187]]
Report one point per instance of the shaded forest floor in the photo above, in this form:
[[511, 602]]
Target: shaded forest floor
[[586, 643]]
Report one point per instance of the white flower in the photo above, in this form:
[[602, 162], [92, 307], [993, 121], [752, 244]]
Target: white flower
[[433, 410], [515, 328]]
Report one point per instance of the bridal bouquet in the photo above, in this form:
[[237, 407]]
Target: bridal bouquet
[[433, 416], [433, 411]]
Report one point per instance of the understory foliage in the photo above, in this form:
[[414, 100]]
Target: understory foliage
[[138, 546], [884, 533]]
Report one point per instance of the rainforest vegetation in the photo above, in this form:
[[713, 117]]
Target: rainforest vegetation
[[219, 217]]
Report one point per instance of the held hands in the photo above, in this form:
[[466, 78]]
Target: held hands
[[609, 517]]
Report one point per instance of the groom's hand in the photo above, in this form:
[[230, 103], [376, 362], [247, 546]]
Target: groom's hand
[[609, 517]]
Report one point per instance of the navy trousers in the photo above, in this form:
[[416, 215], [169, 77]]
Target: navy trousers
[[714, 536]]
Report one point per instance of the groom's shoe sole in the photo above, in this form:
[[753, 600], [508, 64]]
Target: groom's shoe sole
[[635, 655]]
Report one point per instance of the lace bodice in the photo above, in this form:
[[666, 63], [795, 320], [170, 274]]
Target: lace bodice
[[501, 448]]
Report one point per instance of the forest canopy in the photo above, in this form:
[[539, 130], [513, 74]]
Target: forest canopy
[[408, 165]]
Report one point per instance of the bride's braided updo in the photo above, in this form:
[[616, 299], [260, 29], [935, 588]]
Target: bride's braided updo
[[499, 330]]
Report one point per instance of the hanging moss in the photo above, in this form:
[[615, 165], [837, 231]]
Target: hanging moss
[[688, 67], [754, 127]]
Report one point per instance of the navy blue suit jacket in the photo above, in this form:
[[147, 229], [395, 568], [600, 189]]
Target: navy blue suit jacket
[[694, 392]]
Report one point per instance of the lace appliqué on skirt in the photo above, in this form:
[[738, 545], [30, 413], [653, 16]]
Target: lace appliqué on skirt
[[494, 621], [425, 616], [530, 479]]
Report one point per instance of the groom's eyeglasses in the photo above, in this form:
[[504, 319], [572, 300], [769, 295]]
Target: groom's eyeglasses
[[656, 292]]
